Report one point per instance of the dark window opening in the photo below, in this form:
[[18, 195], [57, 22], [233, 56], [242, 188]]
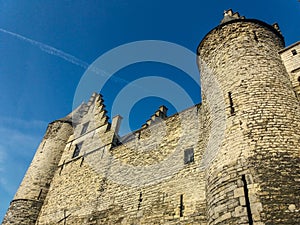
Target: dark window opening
[[294, 52], [231, 103], [84, 128], [255, 36], [140, 200], [188, 155], [77, 150], [81, 161], [247, 200], [181, 207], [164, 197], [298, 79], [40, 194]]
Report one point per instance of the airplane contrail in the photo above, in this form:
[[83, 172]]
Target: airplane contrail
[[68, 57], [50, 50]]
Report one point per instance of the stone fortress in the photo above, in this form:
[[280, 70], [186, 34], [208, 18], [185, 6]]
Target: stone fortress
[[182, 169]]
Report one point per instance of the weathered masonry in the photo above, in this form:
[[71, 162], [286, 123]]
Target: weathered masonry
[[233, 159]]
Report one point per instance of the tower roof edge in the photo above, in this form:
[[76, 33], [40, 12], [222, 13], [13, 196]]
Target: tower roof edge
[[242, 19]]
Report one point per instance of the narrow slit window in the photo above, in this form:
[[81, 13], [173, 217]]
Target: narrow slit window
[[84, 128], [40, 194], [255, 36], [247, 200], [231, 103], [77, 149], [140, 200], [188, 155], [181, 207], [294, 52]]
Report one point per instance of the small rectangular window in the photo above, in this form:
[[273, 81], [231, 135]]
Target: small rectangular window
[[294, 52], [188, 155], [77, 149], [84, 128]]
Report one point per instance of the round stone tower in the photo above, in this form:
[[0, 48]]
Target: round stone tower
[[253, 178], [24, 208]]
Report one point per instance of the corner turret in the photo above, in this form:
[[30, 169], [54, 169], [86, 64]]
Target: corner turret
[[251, 178], [26, 205]]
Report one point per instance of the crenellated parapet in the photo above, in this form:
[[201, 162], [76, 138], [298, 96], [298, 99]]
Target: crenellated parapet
[[159, 115], [230, 15]]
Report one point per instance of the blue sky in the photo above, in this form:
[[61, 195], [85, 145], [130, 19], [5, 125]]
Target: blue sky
[[38, 87]]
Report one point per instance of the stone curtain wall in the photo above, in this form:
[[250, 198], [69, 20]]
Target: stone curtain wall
[[255, 177], [92, 189]]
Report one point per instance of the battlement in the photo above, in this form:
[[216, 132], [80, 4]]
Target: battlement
[[249, 26], [230, 15], [159, 115]]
